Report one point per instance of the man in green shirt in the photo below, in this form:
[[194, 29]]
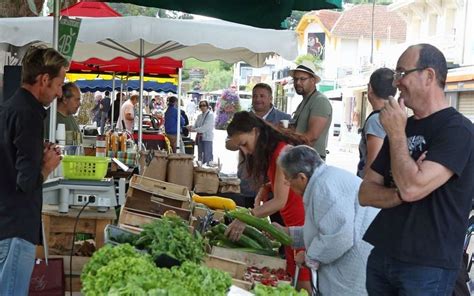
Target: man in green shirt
[[67, 106], [313, 116]]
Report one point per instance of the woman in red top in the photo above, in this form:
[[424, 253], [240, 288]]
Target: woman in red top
[[261, 144]]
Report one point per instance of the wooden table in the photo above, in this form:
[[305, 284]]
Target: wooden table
[[59, 227]]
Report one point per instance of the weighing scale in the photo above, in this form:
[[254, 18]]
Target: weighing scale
[[100, 194]]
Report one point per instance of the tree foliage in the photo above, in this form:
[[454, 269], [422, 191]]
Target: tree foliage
[[193, 63], [218, 79], [218, 73], [19, 8], [292, 21], [127, 9]]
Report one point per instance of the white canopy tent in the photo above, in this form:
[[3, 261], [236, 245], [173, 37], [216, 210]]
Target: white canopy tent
[[143, 37]]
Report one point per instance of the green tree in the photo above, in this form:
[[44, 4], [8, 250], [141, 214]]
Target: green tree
[[292, 21], [85, 112], [217, 80], [19, 8], [192, 63], [127, 9]]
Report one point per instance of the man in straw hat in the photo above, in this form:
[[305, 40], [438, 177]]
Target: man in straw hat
[[314, 114]]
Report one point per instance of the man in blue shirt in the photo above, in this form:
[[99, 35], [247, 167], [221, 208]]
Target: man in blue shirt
[[171, 122]]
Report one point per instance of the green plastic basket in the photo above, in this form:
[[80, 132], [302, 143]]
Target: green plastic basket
[[84, 167]]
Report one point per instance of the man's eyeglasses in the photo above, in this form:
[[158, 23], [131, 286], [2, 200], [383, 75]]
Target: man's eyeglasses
[[302, 79], [200, 106], [397, 75]]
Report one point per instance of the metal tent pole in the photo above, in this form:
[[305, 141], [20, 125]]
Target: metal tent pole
[[140, 103], [112, 99], [178, 131], [53, 106]]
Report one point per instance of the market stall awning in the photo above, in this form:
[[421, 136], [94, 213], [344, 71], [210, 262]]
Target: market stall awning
[[261, 13], [136, 36], [103, 85], [119, 65], [84, 76], [90, 9]]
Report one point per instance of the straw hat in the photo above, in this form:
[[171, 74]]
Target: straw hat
[[307, 67]]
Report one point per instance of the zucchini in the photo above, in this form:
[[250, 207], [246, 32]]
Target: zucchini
[[223, 241], [243, 241], [259, 237], [275, 244], [262, 225]]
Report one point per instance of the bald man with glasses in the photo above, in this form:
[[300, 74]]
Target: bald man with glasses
[[313, 116], [422, 180]]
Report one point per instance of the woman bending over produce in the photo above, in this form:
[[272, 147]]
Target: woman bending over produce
[[334, 221], [261, 145]]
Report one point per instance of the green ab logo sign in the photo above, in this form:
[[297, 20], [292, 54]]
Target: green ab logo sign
[[68, 32]]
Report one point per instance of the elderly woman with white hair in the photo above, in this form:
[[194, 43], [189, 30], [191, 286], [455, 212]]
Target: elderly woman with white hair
[[334, 221]]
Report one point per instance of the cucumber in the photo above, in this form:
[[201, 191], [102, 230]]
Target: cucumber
[[275, 245], [259, 237], [243, 241], [262, 225], [223, 241]]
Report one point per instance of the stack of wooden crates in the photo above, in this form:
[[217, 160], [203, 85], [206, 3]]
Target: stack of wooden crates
[[148, 199]]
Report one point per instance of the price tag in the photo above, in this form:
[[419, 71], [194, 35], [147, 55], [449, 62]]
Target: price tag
[[68, 32]]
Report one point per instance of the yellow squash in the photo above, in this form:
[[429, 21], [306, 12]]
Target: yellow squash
[[215, 202]]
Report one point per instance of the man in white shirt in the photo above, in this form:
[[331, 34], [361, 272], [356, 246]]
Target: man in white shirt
[[127, 114]]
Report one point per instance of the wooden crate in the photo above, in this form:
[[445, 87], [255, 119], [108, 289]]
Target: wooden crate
[[144, 192], [202, 212], [131, 218], [59, 227], [160, 208], [242, 284], [172, 194], [250, 259], [236, 269]]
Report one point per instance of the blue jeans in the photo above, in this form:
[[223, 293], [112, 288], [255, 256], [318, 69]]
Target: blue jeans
[[205, 151], [389, 276], [17, 258]]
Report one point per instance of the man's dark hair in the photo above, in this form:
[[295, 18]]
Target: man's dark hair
[[264, 86], [381, 82], [107, 93], [431, 57], [67, 91], [172, 100], [41, 60]]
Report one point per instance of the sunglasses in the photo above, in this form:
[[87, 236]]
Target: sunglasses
[[397, 75], [202, 106]]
